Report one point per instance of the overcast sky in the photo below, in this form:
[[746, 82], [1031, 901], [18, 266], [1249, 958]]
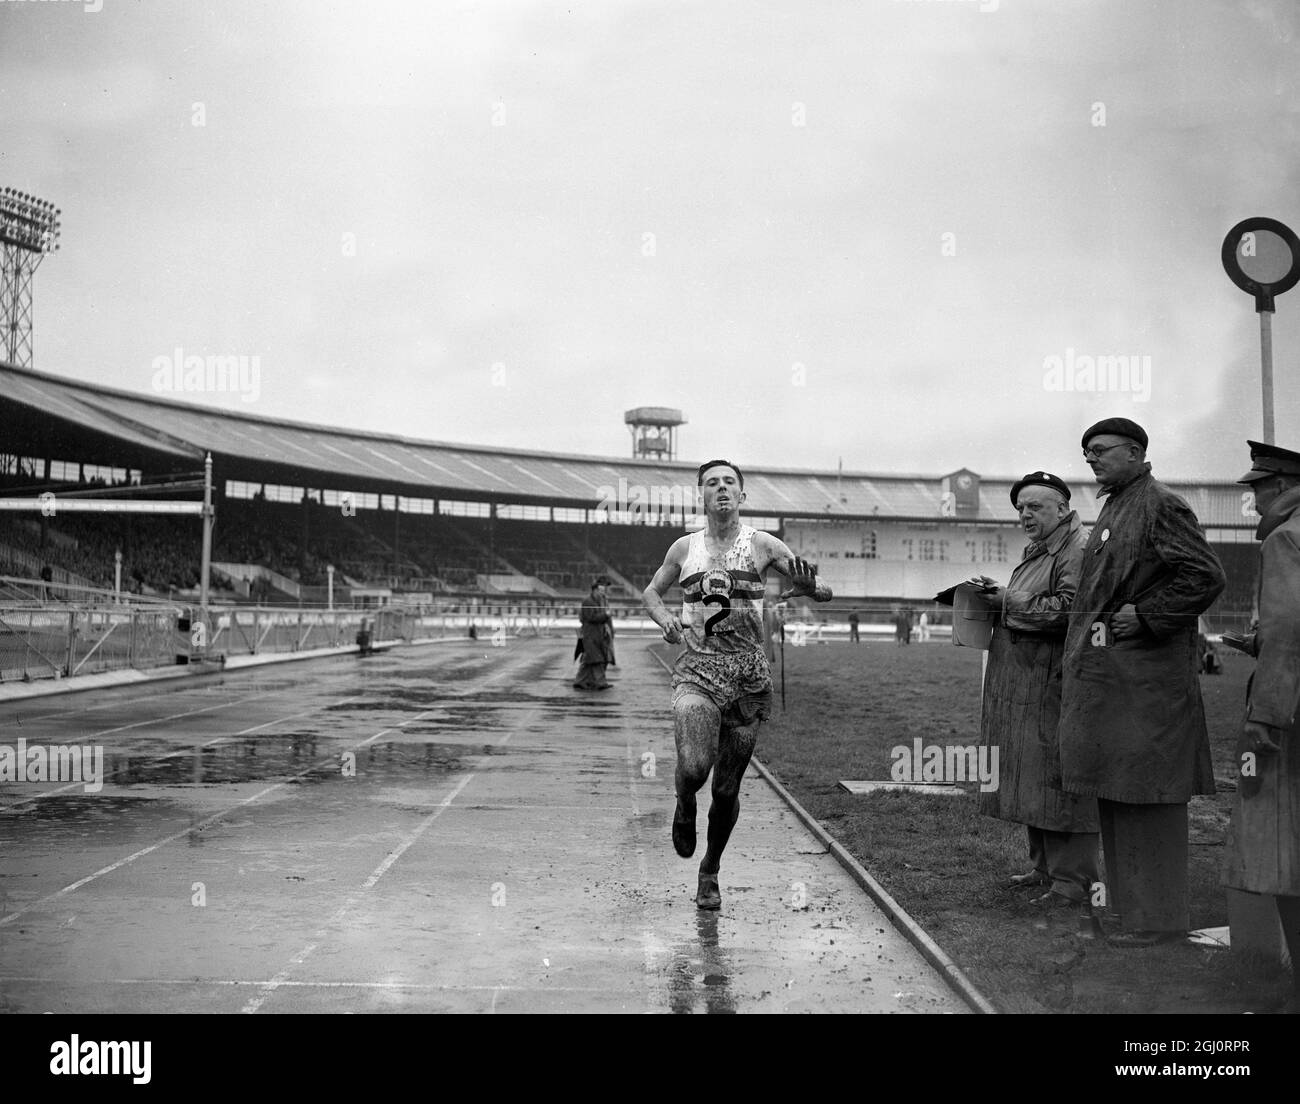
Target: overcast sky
[[824, 231]]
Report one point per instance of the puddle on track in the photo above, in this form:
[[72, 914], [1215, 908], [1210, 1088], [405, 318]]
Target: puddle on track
[[277, 759]]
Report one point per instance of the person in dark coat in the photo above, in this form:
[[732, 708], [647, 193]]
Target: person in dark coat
[[1132, 721], [1022, 698], [594, 616], [1263, 847]]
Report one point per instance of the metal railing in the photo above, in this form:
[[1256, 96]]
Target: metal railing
[[43, 642]]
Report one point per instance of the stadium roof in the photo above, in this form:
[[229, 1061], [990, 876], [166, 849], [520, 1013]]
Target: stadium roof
[[47, 416]]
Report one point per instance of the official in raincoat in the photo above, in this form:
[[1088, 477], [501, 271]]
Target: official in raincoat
[[1132, 721], [1263, 848], [596, 638], [1022, 697]]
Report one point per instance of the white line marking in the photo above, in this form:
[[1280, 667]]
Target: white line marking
[[195, 827], [235, 983], [182, 751], [354, 898]]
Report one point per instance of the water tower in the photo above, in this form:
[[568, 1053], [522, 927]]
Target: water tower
[[654, 432]]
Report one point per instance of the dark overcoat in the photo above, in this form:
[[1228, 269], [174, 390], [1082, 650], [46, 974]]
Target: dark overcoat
[[1022, 688], [595, 617], [1263, 849], [1132, 720]]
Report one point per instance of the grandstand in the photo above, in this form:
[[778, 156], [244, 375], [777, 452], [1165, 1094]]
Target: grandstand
[[409, 522]]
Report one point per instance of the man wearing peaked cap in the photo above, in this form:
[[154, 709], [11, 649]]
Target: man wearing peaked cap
[[1263, 846], [1022, 700], [1132, 721], [1269, 461]]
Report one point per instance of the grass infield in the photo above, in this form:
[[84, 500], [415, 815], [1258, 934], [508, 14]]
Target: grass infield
[[848, 705]]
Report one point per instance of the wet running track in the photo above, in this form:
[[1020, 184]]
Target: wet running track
[[448, 828]]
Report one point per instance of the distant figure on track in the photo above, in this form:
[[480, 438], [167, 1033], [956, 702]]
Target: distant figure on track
[[597, 638], [853, 626], [722, 683]]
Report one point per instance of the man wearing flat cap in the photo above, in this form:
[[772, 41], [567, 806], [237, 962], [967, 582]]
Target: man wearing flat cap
[[596, 638], [1132, 721], [1263, 848], [1022, 699]]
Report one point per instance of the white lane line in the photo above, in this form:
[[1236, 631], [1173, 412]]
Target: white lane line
[[478, 808], [171, 717], [165, 689], [181, 751], [649, 944], [190, 750], [354, 898], [10, 917], [240, 983], [118, 703]]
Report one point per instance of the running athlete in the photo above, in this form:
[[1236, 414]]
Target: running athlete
[[722, 684]]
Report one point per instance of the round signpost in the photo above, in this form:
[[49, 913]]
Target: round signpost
[[1262, 257]]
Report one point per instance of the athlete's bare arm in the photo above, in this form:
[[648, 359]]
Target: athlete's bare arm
[[665, 578], [803, 580]]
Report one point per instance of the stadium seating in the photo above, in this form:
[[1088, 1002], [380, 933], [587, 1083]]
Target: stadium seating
[[424, 553]]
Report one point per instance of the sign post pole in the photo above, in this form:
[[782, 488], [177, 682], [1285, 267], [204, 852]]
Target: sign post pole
[[1262, 257]]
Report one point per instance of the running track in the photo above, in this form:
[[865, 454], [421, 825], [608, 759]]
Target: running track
[[449, 828]]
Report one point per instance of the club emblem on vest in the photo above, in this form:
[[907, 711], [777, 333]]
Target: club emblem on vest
[[716, 582]]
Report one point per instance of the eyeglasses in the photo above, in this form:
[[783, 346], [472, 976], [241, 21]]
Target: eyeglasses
[[1096, 453]]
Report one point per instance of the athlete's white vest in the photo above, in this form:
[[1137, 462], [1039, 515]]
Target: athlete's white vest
[[722, 596]]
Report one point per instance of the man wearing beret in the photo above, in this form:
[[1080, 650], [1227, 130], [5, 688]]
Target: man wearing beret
[[1022, 698], [1263, 849], [1132, 721], [595, 640]]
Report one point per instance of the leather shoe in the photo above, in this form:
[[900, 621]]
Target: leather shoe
[[1027, 881], [1052, 899]]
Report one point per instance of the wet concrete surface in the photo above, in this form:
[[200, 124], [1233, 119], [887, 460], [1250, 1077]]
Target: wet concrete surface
[[451, 829]]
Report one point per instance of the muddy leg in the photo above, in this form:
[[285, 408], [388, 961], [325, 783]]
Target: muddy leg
[[735, 748], [695, 729]]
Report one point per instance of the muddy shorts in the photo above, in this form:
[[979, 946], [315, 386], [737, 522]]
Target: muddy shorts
[[739, 684]]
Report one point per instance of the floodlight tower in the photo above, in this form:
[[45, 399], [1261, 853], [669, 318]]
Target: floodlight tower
[[29, 229]]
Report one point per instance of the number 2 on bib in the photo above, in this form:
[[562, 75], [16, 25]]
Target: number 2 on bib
[[716, 600]]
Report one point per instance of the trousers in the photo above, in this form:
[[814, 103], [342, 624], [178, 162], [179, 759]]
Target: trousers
[[1146, 864], [1068, 859]]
